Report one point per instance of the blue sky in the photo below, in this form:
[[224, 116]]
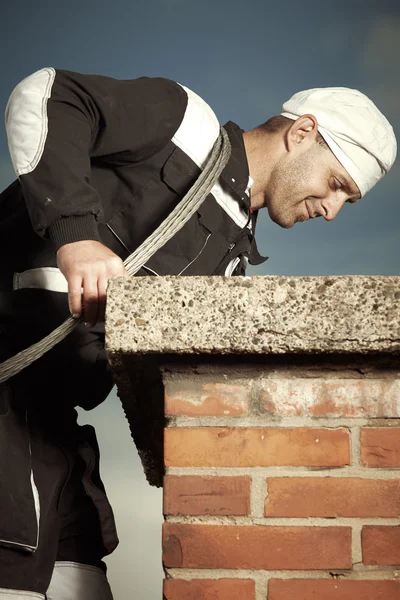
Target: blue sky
[[245, 58]]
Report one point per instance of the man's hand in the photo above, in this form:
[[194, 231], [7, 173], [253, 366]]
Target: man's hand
[[88, 265]]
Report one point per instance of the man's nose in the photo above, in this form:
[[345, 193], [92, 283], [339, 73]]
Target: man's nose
[[331, 206]]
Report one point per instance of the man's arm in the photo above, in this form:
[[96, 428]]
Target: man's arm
[[56, 122]]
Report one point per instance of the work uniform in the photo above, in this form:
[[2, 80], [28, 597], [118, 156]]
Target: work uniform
[[105, 160]]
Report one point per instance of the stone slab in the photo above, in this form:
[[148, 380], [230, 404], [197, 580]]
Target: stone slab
[[253, 315]]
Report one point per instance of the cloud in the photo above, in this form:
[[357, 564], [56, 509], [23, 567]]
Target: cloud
[[172, 4], [329, 46], [370, 50], [380, 63], [382, 49], [366, 252]]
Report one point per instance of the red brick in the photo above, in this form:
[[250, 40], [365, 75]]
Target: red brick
[[192, 495], [199, 397], [256, 547], [309, 589], [249, 447], [332, 497], [209, 589], [331, 397], [380, 446], [380, 545]]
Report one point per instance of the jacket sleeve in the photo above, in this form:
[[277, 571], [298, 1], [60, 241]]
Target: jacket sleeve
[[58, 121]]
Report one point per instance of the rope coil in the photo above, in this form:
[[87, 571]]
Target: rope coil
[[174, 222]]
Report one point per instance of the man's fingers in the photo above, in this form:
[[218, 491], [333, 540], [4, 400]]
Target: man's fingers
[[90, 301], [102, 296], [89, 265], [75, 296]]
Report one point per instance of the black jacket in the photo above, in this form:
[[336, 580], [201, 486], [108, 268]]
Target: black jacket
[[107, 160]]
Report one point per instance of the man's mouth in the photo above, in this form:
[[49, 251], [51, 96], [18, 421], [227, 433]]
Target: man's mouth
[[309, 213]]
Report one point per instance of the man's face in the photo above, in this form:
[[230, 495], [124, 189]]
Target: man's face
[[308, 183]]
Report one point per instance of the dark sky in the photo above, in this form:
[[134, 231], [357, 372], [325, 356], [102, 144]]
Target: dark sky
[[245, 58]]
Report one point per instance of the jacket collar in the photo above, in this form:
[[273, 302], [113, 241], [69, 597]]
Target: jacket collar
[[236, 177], [236, 172]]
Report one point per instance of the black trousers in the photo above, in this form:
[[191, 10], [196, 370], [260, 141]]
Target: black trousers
[[52, 502]]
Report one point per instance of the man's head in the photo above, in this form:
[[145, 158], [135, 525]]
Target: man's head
[[329, 146]]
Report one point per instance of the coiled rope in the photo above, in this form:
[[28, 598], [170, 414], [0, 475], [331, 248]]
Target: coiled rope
[[176, 220]]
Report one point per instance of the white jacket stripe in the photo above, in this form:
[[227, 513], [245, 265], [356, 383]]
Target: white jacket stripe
[[75, 581], [43, 278], [26, 120], [6, 594], [196, 136]]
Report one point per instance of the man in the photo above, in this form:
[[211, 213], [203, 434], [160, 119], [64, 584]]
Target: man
[[100, 164]]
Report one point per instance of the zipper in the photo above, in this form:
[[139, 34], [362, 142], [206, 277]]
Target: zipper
[[196, 257], [118, 238], [127, 249], [154, 272], [151, 270]]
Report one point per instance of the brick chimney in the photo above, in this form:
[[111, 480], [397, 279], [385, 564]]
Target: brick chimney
[[274, 405]]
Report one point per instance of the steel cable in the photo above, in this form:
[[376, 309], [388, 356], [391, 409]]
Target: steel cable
[[176, 220]]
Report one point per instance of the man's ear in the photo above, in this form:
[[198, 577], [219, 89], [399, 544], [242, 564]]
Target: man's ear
[[302, 132]]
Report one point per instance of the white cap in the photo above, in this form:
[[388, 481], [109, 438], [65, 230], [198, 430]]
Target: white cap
[[358, 134]]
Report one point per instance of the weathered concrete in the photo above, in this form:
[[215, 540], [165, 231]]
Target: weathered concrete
[[258, 315], [278, 402], [319, 319]]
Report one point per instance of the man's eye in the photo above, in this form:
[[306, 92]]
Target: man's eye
[[336, 184]]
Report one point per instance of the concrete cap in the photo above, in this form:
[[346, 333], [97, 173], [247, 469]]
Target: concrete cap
[[253, 315]]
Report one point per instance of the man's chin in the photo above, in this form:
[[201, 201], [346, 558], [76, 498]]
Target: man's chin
[[281, 218], [281, 221], [286, 225]]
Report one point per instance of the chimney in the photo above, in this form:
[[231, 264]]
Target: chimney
[[270, 409]]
